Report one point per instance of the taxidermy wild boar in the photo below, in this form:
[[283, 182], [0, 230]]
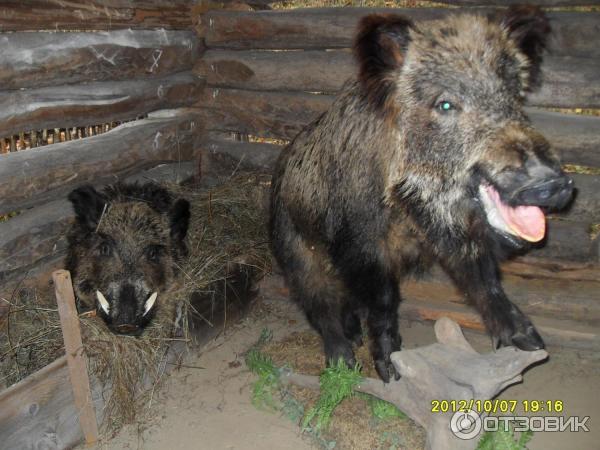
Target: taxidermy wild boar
[[122, 250], [427, 156]]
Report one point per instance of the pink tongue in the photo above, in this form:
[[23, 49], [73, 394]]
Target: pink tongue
[[527, 222]]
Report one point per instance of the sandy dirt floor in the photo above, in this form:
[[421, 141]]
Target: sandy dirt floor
[[206, 405]]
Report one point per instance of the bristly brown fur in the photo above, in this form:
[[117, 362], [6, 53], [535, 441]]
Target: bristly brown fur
[[379, 47], [390, 177]]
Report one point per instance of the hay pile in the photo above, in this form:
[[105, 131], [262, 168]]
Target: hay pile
[[227, 230]]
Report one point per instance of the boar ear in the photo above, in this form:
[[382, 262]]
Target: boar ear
[[88, 205], [179, 219], [379, 48], [529, 28]]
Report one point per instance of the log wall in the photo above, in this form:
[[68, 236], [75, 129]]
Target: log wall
[[113, 62], [270, 73]]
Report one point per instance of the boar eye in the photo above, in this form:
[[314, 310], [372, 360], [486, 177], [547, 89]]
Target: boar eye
[[445, 106], [153, 252]]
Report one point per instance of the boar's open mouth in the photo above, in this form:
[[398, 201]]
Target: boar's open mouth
[[525, 222]]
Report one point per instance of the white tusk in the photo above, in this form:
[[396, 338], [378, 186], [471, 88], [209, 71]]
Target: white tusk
[[103, 303], [150, 303]]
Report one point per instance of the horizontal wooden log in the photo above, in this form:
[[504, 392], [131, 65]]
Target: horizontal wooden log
[[262, 156], [282, 115], [48, 58], [231, 155], [93, 103], [36, 237], [574, 136], [566, 239], [21, 15], [31, 177], [568, 82], [504, 3], [574, 33], [419, 304]]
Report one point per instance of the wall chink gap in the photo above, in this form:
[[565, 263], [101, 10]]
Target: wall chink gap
[[31, 139]]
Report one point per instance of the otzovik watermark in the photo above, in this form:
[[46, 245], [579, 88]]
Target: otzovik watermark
[[469, 424]]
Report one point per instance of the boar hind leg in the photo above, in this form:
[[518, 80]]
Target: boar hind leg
[[480, 280], [315, 286], [379, 292]]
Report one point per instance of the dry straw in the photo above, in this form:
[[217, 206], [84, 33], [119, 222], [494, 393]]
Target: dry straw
[[227, 235]]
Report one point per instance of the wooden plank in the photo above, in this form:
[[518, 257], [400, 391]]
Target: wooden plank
[[38, 412], [93, 103], [21, 15], [559, 332], [568, 237], [262, 156], [556, 332], [232, 155], [574, 33], [327, 71], [78, 374], [504, 3], [34, 60], [282, 115], [32, 177], [576, 137], [37, 236]]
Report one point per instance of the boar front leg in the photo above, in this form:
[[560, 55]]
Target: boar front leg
[[479, 278]]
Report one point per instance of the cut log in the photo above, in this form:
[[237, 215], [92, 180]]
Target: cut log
[[54, 15], [568, 81], [574, 33], [575, 137], [93, 103], [570, 240], [282, 115], [557, 330], [543, 3], [34, 60], [33, 176]]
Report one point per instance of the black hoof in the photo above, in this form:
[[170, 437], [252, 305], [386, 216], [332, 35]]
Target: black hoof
[[529, 340], [520, 333], [340, 352], [386, 370]]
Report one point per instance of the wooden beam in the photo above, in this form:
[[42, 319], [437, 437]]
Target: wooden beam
[[282, 115], [504, 3], [78, 374], [558, 332], [93, 103], [33, 15], [568, 237], [34, 60], [32, 177], [327, 71], [574, 33]]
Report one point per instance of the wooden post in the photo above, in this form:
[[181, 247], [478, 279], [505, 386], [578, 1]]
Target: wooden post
[[69, 321]]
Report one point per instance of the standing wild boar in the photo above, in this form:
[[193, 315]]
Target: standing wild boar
[[122, 250], [426, 156]]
